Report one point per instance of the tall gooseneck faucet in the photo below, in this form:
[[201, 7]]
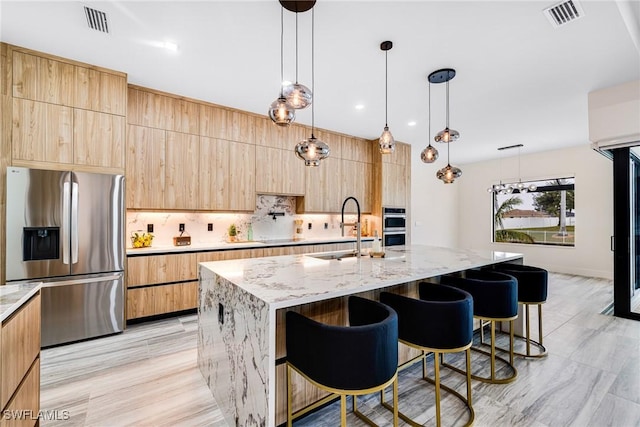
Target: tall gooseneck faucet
[[355, 224]]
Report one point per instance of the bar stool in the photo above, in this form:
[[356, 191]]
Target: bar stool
[[345, 360], [441, 321], [532, 290], [495, 299]]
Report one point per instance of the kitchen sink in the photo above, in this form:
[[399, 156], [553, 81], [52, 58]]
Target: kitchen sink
[[334, 255]]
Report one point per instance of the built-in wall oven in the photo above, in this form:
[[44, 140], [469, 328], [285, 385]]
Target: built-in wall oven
[[394, 226]]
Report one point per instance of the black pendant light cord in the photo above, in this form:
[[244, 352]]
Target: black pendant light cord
[[386, 84], [447, 105], [313, 83], [297, 47], [281, 50], [429, 125], [448, 163]]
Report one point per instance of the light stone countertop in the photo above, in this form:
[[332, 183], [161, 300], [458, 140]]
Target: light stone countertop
[[291, 280], [12, 297], [223, 246]]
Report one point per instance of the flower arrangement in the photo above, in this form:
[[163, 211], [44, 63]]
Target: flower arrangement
[[140, 239]]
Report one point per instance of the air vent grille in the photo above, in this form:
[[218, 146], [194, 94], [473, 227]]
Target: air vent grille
[[563, 13], [96, 19]]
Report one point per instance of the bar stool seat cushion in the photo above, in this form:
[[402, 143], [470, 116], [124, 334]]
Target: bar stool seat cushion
[[495, 295], [443, 321], [532, 281], [356, 357]]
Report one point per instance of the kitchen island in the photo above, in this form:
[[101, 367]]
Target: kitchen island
[[241, 341]]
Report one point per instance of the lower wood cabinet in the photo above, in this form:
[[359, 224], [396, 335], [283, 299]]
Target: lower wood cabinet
[[161, 299], [20, 366]]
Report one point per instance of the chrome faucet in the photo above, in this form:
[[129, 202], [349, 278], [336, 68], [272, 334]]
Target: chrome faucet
[[355, 224]]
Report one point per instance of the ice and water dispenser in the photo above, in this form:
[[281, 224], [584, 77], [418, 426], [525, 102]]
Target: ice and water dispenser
[[40, 243]]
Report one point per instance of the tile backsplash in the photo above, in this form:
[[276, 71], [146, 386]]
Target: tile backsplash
[[165, 224]]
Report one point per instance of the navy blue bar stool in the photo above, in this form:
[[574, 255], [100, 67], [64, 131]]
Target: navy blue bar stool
[[441, 321], [495, 299], [532, 290], [345, 360]]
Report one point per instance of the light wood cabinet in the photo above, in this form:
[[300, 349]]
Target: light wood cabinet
[[99, 139], [392, 179], [279, 172], [42, 132], [43, 79], [100, 91], [181, 171], [145, 167], [157, 269], [232, 125], [357, 149], [19, 354], [231, 254], [322, 188], [284, 138], [26, 400], [394, 186], [154, 300], [227, 175], [357, 182], [161, 111]]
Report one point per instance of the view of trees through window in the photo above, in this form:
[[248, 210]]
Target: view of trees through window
[[543, 215]]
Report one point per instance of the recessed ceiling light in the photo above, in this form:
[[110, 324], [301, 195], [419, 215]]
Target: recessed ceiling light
[[359, 107], [286, 83], [172, 46], [411, 123]]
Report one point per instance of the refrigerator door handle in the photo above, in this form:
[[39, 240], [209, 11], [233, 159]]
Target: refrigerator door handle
[[104, 278], [66, 214], [74, 223]]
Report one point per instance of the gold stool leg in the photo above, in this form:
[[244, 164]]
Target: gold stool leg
[[493, 349], [511, 334], [395, 403], [424, 364], [343, 410], [540, 323], [528, 338], [436, 368], [289, 409], [468, 357]]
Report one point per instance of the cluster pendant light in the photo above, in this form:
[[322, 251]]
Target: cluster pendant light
[[429, 154], [520, 187], [312, 150], [280, 113], [387, 143], [447, 174]]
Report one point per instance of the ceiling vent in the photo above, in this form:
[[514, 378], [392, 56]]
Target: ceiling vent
[[96, 19], [563, 13]]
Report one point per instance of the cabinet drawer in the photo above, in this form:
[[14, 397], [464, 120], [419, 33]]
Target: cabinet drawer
[[155, 269], [153, 300], [26, 401]]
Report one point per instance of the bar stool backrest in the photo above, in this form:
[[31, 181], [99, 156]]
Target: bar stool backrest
[[495, 295]]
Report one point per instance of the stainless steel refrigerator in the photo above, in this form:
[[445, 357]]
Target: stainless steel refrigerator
[[66, 229]]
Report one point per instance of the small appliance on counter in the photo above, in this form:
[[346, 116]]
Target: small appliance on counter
[[182, 239]]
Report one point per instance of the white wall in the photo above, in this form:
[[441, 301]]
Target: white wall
[[434, 205], [591, 255]]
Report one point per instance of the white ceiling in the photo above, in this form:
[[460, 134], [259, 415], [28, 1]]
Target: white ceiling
[[519, 80]]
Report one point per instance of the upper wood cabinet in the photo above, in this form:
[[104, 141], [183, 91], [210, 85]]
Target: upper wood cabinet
[[227, 175], [145, 167], [221, 123], [98, 139], [392, 178], [357, 149], [357, 182], [42, 132], [181, 171], [155, 110], [284, 138], [322, 187], [279, 172]]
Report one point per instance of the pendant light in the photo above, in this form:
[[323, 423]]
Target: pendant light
[[279, 112], [298, 95], [440, 76], [312, 150], [447, 174], [387, 143], [429, 154], [509, 188]]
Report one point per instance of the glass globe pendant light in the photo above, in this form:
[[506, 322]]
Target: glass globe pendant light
[[279, 112], [429, 154], [387, 142], [440, 76], [448, 174], [298, 95], [311, 149]]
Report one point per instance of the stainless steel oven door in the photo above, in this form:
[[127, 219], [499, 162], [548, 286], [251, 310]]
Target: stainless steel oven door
[[394, 221], [394, 238]]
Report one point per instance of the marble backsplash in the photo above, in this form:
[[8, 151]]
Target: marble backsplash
[[165, 224]]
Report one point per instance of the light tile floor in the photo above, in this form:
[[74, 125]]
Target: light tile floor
[[148, 376]]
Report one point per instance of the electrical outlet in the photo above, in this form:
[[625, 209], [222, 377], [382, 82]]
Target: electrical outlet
[[181, 227], [309, 226], [210, 227], [149, 228], [326, 225]]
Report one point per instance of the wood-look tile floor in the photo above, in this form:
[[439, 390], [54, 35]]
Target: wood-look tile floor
[[148, 375]]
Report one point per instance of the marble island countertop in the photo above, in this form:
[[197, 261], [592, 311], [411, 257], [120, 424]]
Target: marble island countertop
[[291, 280], [255, 244], [12, 297]]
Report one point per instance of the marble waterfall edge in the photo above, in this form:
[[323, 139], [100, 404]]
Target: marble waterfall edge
[[233, 353]]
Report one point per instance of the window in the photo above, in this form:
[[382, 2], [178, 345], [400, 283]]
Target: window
[[544, 215]]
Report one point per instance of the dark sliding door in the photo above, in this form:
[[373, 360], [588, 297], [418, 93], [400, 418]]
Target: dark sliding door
[[626, 229]]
